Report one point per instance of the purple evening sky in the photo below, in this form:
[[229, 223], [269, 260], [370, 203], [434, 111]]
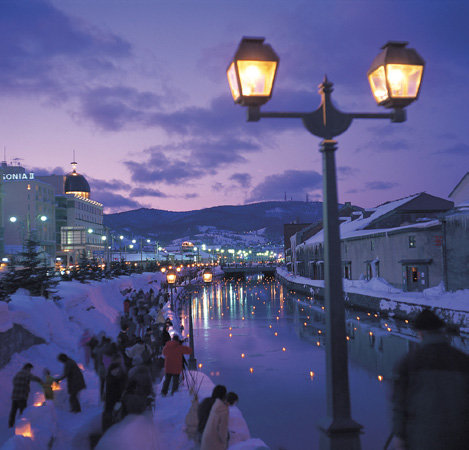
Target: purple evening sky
[[137, 88]]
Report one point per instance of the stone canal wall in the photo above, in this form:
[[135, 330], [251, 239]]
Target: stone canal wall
[[383, 305]]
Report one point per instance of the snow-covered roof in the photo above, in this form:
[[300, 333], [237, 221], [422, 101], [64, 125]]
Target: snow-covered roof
[[354, 228]]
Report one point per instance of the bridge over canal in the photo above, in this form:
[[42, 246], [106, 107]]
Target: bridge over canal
[[241, 270]]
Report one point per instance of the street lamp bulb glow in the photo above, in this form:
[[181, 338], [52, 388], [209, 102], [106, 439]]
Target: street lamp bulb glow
[[13, 219]]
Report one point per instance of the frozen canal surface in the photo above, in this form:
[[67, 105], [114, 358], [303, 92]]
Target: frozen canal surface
[[267, 345]]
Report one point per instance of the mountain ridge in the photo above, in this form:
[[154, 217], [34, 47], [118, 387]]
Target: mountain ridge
[[167, 226]]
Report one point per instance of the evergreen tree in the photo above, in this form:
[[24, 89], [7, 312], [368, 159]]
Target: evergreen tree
[[81, 272], [10, 281], [32, 274]]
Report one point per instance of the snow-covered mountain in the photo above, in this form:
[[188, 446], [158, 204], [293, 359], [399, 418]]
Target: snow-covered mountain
[[257, 222]]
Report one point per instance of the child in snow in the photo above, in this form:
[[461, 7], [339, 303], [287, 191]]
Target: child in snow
[[47, 381]]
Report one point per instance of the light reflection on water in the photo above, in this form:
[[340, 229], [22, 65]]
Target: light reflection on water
[[267, 345]]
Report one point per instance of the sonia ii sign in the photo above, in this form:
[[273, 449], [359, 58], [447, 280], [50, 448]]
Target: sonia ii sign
[[18, 176]]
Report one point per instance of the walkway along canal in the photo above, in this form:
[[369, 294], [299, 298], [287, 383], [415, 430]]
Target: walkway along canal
[[267, 345]]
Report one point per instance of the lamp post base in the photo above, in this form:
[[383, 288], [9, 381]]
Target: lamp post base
[[339, 434], [192, 364]]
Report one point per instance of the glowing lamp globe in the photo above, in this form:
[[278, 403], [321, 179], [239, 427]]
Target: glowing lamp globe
[[207, 275], [171, 276], [251, 74], [395, 75]]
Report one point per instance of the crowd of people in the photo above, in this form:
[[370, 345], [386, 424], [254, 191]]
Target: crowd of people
[[127, 366]]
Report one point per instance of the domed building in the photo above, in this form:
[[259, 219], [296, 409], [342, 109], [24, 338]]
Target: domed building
[[79, 219], [76, 184]]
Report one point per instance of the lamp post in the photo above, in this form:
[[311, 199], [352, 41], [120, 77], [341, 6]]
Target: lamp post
[[395, 76], [39, 217], [120, 247], [103, 239], [192, 363], [207, 276], [171, 277]]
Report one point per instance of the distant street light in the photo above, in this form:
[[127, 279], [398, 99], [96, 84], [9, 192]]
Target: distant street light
[[207, 275], [395, 76], [171, 277]]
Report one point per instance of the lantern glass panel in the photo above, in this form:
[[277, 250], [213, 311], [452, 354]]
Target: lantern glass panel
[[233, 81], [207, 277], [171, 278], [377, 81], [404, 80], [256, 77]]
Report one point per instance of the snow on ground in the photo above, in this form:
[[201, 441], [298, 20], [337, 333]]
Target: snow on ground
[[97, 306]]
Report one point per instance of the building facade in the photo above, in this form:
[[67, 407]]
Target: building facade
[[413, 243], [28, 207], [79, 219]]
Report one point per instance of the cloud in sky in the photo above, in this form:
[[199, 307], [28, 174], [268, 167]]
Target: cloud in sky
[[176, 163], [243, 179], [295, 184], [115, 202], [145, 192], [379, 185], [149, 91], [40, 41], [459, 149]]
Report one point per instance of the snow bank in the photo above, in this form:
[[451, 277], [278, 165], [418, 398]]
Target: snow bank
[[97, 306]]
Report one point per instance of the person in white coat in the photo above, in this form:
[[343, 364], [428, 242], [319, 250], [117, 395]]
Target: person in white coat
[[215, 436]]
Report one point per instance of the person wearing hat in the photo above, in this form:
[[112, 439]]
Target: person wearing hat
[[173, 353], [430, 399]]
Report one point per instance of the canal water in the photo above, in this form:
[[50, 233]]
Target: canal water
[[268, 345]]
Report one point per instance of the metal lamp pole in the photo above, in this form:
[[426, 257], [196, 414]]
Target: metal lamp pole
[[192, 360], [338, 430]]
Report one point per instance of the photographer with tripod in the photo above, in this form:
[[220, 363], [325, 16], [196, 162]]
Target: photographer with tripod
[[174, 353]]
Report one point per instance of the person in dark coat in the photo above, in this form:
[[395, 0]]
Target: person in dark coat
[[173, 353], [132, 401], [430, 397], [20, 393], [141, 374], [75, 381], [165, 336], [203, 410], [116, 381]]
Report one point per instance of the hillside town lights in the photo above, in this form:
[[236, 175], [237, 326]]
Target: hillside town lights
[[395, 78]]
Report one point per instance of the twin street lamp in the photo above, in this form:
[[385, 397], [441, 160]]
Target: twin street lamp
[[171, 278], [394, 76]]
